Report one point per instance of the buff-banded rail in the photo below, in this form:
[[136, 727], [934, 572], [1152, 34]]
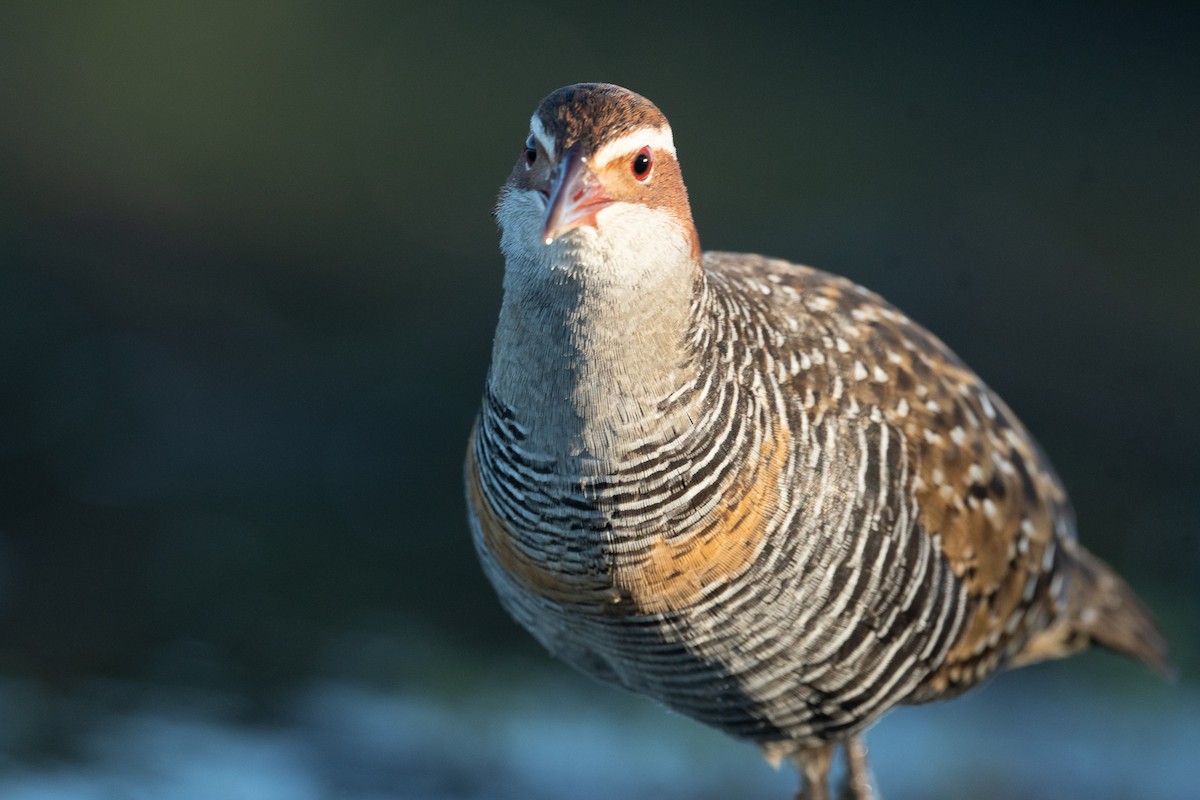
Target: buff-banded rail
[[751, 490]]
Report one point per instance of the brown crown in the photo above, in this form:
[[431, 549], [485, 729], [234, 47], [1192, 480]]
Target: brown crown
[[592, 113]]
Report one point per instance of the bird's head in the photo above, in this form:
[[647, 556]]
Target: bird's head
[[597, 181]]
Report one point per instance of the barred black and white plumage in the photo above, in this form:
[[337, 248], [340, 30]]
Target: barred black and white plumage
[[749, 489]]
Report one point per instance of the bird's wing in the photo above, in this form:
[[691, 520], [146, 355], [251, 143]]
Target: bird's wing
[[986, 497]]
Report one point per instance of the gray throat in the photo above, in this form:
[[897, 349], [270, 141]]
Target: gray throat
[[592, 369]]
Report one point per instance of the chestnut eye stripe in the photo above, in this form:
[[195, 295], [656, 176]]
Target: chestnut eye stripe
[[658, 139]]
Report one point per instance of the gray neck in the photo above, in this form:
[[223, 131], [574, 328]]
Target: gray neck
[[588, 363]]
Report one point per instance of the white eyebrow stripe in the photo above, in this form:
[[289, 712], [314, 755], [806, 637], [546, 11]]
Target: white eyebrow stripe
[[653, 137], [543, 138]]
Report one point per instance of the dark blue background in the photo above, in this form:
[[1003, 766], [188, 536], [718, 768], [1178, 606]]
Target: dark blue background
[[248, 279]]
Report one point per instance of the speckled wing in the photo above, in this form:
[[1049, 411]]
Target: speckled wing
[[987, 499]]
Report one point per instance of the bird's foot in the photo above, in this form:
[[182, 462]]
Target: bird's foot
[[814, 763], [813, 766], [858, 784]]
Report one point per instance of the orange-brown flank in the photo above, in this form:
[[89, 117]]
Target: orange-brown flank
[[677, 568]]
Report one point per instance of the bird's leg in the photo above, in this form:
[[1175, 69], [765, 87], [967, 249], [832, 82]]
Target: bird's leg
[[858, 772], [813, 766]]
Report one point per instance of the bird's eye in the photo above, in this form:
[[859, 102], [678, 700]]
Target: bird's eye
[[641, 164], [530, 154]]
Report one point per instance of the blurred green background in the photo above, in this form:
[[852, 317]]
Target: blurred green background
[[248, 280]]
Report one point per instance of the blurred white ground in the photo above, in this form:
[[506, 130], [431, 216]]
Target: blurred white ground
[[529, 735]]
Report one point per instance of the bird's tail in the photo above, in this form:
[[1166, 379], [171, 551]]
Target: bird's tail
[[1102, 607]]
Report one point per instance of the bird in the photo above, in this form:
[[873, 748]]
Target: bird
[[751, 490]]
